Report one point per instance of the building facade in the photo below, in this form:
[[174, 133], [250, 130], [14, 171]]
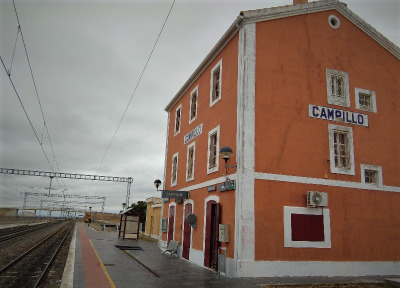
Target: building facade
[[153, 216], [307, 98]]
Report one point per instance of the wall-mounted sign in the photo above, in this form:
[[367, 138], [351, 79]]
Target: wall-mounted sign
[[338, 115], [193, 134], [226, 186], [175, 194], [211, 188]]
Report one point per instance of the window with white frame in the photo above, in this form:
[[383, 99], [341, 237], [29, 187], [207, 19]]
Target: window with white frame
[[190, 161], [193, 104], [213, 150], [371, 174], [178, 116], [306, 227], [365, 100], [216, 83], [174, 170], [341, 149], [337, 83]]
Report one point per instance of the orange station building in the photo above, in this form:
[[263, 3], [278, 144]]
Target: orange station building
[[307, 96]]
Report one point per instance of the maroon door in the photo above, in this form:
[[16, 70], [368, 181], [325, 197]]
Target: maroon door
[[187, 232], [211, 239], [171, 223]]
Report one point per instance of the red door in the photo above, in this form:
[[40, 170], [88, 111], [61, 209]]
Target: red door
[[211, 239], [187, 232], [171, 223]]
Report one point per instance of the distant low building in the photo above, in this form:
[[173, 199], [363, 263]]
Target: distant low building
[[153, 215]]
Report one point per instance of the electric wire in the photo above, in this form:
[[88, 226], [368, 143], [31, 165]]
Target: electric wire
[[134, 91]]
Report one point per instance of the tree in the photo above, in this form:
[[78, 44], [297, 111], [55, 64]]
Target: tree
[[141, 207]]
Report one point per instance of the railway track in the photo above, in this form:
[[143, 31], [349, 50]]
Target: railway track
[[29, 268], [14, 232]]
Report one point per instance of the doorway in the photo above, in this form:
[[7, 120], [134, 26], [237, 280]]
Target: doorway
[[171, 223], [186, 232], [211, 237]]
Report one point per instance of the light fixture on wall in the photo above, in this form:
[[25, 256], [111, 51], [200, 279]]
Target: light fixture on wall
[[157, 183], [226, 153]]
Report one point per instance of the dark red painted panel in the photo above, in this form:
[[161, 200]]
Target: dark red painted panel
[[186, 234], [171, 223], [307, 227]]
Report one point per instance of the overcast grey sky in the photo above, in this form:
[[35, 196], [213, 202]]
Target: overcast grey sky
[[86, 58]]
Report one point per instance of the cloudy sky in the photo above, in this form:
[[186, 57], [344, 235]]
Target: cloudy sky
[[87, 58]]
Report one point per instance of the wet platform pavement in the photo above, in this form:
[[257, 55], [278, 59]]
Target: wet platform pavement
[[98, 263]]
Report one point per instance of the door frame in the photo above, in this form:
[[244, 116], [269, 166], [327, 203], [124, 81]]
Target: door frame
[[169, 222], [214, 199], [184, 223]]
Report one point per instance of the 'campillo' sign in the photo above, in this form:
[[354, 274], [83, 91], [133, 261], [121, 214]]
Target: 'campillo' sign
[[338, 115], [193, 134], [175, 194]]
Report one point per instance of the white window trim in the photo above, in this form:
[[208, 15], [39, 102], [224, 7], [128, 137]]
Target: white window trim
[[337, 170], [375, 168], [373, 100], [215, 169], [195, 90], [187, 161], [219, 64], [180, 124], [335, 100], [172, 168], [287, 219]]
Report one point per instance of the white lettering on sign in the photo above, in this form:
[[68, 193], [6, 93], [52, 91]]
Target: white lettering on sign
[[193, 134], [338, 115]]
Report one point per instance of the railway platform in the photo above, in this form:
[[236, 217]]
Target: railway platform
[[95, 262]]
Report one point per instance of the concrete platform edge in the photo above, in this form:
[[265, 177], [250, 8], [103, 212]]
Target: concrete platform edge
[[68, 274]]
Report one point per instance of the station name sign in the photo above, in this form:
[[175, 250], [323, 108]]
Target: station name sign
[[338, 115], [175, 194], [193, 134]]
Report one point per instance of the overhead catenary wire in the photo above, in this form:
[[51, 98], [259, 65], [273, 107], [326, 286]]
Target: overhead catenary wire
[[137, 85]]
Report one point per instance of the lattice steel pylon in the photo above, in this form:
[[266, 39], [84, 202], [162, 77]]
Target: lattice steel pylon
[[52, 175]]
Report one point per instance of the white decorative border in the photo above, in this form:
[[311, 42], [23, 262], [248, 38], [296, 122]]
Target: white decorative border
[[187, 160], [287, 219], [172, 168], [180, 123], [373, 100], [214, 169], [334, 18], [349, 130], [375, 168], [194, 91], [219, 64], [333, 99]]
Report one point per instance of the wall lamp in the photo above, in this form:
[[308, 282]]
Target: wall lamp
[[226, 153], [123, 206], [157, 183]]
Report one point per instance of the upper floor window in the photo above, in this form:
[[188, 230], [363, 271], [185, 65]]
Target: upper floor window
[[193, 104], [178, 115], [337, 87], [371, 174], [213, 150], [341, 149], [365, 100], [174, 170], [215, 83], [190, 161]]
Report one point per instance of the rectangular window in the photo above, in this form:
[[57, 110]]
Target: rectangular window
[[337, 87], [193, 104], [178, 114], [365, 100], [174, 170], [341, 149], [190, 162], [215, 83], [371, 174], [213, 150], [306, 227]]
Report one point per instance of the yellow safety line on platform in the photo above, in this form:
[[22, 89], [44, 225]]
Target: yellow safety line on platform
[[102, 266]]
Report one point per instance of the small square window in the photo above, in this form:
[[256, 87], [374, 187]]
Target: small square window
[[371, 174], [213, 150], [216, 83], [337, 87], [174, 170], [178, 116], [193, 104], [190, 162], [365, 100], [341, 149]]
